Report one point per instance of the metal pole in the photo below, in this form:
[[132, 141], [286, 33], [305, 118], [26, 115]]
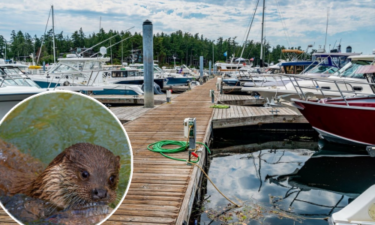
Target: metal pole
[[261, 41], [209, 68], [53, 35], [201, 66], [148, 61], [5, 51]]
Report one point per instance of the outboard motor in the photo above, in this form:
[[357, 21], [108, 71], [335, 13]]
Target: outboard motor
[[157, 89]]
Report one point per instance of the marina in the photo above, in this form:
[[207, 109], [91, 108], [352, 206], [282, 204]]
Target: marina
[[273, 128]]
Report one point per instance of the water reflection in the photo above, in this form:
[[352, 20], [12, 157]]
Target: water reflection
[[307, 183]]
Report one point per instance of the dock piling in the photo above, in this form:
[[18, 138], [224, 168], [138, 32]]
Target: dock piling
[[201, 66], [209, 68], [148, 61]]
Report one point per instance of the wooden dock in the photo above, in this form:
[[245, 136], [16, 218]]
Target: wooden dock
[[241, 100], [130, 99], [237, 116], [162, 190], [129, 113]]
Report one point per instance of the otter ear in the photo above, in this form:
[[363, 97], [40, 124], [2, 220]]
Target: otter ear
[[69, 155], [118, 158]]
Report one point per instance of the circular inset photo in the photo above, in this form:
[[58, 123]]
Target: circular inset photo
[[64, 159]]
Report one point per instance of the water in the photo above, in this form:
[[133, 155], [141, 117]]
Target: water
[[285, 180]]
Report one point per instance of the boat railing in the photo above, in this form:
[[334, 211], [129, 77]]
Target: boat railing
[[303, 89]]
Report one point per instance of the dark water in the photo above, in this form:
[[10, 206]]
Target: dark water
[[291, 178]]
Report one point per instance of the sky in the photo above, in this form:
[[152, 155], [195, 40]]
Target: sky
[[287, 22]]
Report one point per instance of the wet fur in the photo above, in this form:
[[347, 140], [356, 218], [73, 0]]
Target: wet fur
[[61, 182]]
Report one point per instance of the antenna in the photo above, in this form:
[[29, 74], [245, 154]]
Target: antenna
[[53, 34], [100, 24], [325, 42]]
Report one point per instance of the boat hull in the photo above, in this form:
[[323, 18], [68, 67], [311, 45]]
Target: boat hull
[[342, 124]]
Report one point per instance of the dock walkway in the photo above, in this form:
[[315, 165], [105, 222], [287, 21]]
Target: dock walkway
[[238, 116], [162, 189]]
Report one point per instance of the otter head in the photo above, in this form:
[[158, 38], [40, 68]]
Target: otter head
[[82, 175]]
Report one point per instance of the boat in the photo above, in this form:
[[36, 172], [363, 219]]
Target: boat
[[360, 211], [283, 86], [346, 120], [88, 75], [15, 86], [170, 79]]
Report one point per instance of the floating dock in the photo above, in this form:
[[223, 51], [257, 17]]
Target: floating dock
[[241, 100], [130, 99], [239, 116], [162, 190]]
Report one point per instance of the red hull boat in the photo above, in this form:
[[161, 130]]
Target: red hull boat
[[350, 122]]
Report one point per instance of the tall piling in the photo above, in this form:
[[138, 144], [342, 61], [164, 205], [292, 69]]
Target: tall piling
[[201, 66], [148, 64], [209, 68]]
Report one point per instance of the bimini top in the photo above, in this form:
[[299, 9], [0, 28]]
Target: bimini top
[[296, 51], [362, 57], [297, 63]]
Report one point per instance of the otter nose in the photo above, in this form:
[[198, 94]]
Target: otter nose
[[99, 194]]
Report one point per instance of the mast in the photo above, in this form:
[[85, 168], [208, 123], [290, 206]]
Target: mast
[[261, 42], [325, 42], [53, 34]]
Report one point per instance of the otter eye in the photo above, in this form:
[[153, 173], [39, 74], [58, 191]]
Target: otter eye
[[112, 179], [85, 174]]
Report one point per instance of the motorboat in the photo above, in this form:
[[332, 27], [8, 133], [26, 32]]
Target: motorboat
[[87, 75], [15, 86], [283, 85], [344, 119], [170, 79]]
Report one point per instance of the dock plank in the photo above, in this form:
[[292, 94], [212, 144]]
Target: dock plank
[[237, 116]]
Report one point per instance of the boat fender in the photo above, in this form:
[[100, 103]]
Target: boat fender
[[66, 83]]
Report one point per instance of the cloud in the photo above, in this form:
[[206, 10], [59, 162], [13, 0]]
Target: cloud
[[305, 21]]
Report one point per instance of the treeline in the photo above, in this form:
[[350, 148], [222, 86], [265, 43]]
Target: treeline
[[184, 47]]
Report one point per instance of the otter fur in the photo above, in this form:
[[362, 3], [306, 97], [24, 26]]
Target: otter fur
[[82, 175]]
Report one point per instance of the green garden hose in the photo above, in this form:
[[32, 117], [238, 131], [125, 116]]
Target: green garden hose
[[158, 147]]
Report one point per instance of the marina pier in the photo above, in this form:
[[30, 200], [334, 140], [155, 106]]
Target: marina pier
[[162, 190]]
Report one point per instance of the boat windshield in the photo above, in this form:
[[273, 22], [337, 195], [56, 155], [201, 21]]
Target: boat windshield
[[31, 83], [323, 69], [62, 68], [350, 71], [11, 71]]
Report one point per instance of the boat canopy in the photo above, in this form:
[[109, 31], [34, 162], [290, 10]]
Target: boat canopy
[[366, 69], [296, 51], [362, 57]]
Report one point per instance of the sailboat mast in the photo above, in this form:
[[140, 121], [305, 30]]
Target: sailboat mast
[[325, 42], [261, 42], [53, 34]]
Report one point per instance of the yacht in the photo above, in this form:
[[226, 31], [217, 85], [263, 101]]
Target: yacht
[[333, 68], [15, 86], [87, 74]]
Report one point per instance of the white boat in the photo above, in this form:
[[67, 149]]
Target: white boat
[[285, 87], [170, 79], [15, 86], [85, 74], [361, 211]]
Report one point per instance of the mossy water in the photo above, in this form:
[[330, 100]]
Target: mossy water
[[44, 126], [282, 181]]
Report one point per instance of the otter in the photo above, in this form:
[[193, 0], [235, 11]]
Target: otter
[[83, 175]]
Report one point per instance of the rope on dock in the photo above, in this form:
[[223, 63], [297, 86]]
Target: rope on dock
[[184, 145]]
